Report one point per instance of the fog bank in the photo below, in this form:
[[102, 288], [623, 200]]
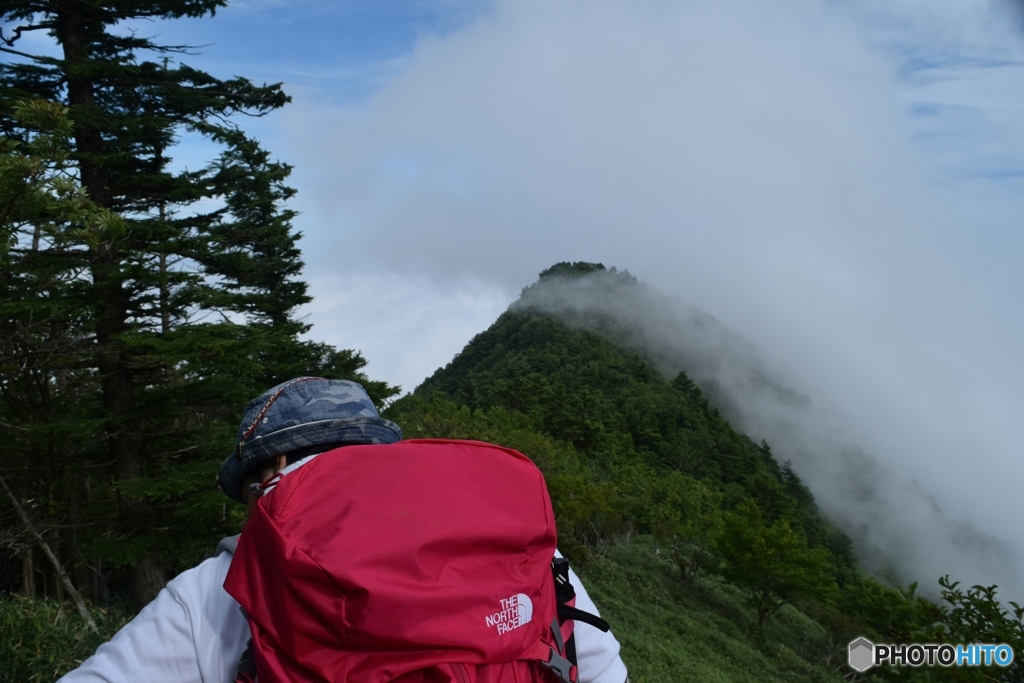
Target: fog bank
[[900, 532]]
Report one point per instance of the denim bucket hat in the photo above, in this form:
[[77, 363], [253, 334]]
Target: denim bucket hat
[[303, 412]]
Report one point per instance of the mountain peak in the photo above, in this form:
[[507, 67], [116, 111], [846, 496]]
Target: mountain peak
[[571, 269]]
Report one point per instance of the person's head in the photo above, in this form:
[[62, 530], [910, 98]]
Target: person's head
[[295, 419]]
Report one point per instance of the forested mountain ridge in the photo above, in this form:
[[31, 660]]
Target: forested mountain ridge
[[644, 471], [612, 406]]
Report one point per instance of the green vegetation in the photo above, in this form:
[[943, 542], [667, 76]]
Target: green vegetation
[[977, 616], [772, 563], [672, 632], [41, 640]]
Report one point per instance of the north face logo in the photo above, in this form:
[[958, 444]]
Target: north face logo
[[515, 611]]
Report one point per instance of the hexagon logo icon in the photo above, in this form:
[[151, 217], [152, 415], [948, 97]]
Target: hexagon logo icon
[[862, 655]]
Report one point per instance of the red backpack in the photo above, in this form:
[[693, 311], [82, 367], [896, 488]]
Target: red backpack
[[423, 560]]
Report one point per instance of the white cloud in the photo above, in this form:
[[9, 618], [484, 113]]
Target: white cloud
[[756, 160], [408, 322]]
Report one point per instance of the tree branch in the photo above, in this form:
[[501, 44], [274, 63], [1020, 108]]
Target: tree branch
[[45, 547], [49, 60], [18, 31]]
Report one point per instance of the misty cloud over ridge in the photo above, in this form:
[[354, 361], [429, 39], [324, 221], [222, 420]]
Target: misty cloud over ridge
[[899, 531], [788, 167]]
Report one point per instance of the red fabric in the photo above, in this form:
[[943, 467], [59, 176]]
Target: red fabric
[[385, 563]]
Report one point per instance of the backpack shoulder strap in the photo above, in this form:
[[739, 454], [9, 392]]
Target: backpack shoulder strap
[[562, 661]]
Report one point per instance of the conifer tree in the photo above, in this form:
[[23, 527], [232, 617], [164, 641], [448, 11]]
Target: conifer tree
[[182, 304]]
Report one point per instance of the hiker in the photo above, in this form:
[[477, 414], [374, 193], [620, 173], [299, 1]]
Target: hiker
[[194, 631]]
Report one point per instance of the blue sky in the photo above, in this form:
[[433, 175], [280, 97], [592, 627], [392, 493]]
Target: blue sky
[[840, 182], [966, 119], [343, 50]]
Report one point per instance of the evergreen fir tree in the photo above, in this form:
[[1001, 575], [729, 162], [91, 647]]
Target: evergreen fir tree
[[182, 303]]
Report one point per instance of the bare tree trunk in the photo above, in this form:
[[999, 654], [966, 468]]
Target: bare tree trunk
[[147, 580], [77, 488], [58, 586], [98, 584], [28, 579], [75, 596], [114, 361], [165, 294]]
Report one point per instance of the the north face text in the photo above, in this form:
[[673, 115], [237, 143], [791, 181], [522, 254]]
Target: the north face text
[[515, 611]]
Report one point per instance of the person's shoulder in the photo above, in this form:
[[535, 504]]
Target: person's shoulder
[[203, 581]]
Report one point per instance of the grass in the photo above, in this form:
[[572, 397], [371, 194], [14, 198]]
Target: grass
[[672, 632], [41, 640]]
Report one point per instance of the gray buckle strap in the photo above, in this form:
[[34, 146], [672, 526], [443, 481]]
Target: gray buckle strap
[[561, 666], [556, 661], [558, 635]]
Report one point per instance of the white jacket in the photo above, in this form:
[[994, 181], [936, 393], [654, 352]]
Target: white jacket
[[194, 632]]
